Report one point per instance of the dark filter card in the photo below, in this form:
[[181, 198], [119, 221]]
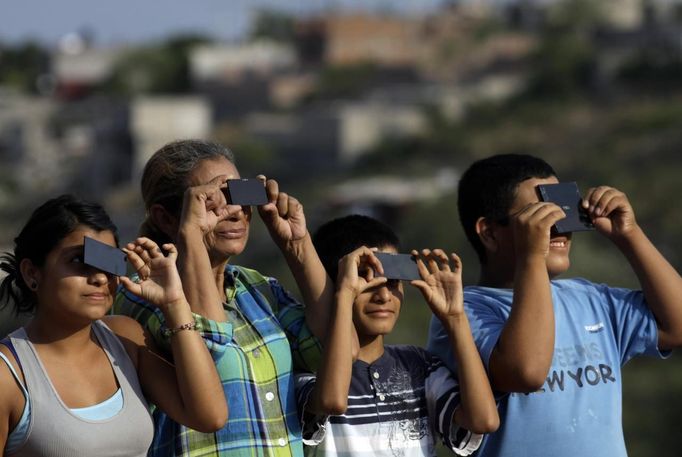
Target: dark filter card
[[398, 266], [567, 196], [246, 192], [104, 257]]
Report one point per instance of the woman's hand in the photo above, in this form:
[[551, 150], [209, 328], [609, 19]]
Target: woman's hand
[[157, 281], [204, 206], [283, 214]]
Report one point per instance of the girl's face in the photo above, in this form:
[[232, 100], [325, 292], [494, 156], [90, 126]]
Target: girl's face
[[67, 288], [230, 235]]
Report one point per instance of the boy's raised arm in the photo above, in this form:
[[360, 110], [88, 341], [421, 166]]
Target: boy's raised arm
[[613, 216], [330, 394], [524, 350], [441, 286]]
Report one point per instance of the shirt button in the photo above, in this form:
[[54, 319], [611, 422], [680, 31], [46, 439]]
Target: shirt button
[[282, 442], [376, 375], [256, 353], [382, 397], [269, 396]]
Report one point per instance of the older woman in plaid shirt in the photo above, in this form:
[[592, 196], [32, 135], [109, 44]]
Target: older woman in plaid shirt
[[255, 331]]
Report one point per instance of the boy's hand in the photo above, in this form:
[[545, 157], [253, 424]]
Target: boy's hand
[[204, 206], [356, 272], [610, 211], [158, 279], [283, 214], [441, 284], [532, 226]]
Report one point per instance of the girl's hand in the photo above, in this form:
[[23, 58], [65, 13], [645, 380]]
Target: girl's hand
[[157, 281]]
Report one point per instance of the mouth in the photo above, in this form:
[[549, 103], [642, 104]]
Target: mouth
[[559, 243], [97, 296], [232, 234], [381, 313]]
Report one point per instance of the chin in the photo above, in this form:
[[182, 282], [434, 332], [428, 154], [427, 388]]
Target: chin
[[229, 248], [381, 329], [556, 267], [375, 329]]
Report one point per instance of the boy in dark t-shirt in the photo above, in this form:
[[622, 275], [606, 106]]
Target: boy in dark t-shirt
[[390, 400]]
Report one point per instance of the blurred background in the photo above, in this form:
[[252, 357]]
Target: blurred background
[[367, 106]]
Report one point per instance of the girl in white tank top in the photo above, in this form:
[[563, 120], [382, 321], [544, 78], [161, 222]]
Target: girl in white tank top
[[72, 360]]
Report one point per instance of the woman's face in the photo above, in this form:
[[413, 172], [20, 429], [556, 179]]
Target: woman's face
[[68, 290], [230, 235]]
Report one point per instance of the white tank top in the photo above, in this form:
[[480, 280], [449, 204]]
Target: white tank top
[[55, 431]]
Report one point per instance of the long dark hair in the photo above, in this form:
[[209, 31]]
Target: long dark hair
[[47, 226]]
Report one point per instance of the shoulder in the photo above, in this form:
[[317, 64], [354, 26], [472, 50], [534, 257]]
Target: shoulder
[[10, 393], [478, 295], [8, 357], [129, 332], [124, 327], [588, 291], [246, 276], [577, 284], [266, 291]]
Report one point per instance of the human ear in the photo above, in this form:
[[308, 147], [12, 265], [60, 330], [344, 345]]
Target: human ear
[[486, 233], [30, 274], [164, 220]]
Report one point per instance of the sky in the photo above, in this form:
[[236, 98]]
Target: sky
[[130, 21]]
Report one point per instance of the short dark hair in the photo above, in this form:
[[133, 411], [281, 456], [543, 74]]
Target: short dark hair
[[343, 235], [47, 226], [488, 188]]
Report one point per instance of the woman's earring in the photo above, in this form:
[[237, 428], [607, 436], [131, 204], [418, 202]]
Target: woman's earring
[[34, 285]]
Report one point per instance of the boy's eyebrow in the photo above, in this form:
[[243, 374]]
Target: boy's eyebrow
[[78, 248]]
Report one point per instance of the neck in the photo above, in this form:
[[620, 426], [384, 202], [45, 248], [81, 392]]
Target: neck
[[371, 348], [492, 277], [43, 330], [218, 268]]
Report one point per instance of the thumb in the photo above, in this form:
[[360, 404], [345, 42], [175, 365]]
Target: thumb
[[131, 286]]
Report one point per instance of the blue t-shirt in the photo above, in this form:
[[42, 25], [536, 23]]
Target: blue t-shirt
[[578, 409]]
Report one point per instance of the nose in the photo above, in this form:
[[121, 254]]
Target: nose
[[99, 278], [382, 295], [236, 212]]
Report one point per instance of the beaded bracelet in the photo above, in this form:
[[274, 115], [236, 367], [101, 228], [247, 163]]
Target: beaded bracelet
[[168, 332]]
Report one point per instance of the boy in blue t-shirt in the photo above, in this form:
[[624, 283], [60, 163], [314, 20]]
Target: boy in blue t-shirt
[[370, 399], [556, 347]]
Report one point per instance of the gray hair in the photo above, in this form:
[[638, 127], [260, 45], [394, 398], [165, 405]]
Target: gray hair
[[166, 174]]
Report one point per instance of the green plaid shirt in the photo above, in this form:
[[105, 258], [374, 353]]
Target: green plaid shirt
[[255, 353]]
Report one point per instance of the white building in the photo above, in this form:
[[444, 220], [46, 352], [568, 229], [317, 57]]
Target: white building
[[155, 121]]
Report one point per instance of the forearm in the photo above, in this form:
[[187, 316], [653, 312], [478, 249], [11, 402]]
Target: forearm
[[202, 400], [197, 276], [523, 355], [477, 411], [661, 285], [316, 288], [330, 395]]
